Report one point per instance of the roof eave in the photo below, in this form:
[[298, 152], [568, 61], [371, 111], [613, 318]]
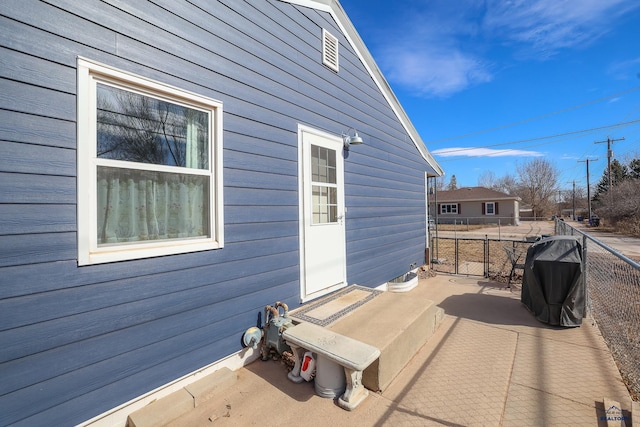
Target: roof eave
[[496, 199], [335, 9]]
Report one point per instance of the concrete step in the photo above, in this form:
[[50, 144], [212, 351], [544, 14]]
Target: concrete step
[[398, 324], [175, 405]]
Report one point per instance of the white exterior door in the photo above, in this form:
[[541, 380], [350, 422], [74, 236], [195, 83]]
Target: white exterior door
[[322, 222]]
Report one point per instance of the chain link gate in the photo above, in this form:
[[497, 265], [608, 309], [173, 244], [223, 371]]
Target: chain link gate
[[478, 257]]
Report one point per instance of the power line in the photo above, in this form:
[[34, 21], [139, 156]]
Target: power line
[[540, 138], [564, 110]]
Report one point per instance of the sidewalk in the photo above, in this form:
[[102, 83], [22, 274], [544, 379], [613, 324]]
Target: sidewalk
[[490, 363], [628, 246]]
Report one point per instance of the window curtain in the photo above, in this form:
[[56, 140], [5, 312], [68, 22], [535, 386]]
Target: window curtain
[[135, 206]]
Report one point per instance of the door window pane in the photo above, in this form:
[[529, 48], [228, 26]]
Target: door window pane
[[323, 165], [325, 204]]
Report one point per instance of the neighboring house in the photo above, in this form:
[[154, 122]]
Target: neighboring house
[[475, 205], [169, 168]]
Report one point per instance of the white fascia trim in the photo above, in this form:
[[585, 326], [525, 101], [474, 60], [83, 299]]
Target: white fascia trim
[[335, 9]]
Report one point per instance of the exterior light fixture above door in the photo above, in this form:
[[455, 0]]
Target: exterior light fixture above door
[[351, 140]]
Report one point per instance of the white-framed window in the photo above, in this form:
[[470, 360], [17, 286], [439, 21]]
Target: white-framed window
[[490, 208], [449, 208], [149, 167]]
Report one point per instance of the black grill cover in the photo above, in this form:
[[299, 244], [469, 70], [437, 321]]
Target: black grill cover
[[552, 285]]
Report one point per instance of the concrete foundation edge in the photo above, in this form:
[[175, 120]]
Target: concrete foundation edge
[[171, 407]]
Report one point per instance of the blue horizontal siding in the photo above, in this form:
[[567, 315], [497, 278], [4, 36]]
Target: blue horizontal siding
[[42, 131], [20, 219], [26, 98], [369, 268], [32, 188], [260, 231], [36, 159], [46, 277], [80, 381], [23, 371], [28, 249], [80, 341], [28, 69], [65, 303]]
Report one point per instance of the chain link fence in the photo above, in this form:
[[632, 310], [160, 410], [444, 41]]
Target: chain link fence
[[613, 301], [486, 257], [613, 285]]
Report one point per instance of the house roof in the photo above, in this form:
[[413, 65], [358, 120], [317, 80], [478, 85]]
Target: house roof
[[337, 12], [473, 194]]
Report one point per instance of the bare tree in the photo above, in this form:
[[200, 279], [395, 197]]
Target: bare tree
[[487, 179], [620, 204], [507, 184], [626, 206], [538, 181]]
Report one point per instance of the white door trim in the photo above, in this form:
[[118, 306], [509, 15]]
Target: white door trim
[[302, 130]]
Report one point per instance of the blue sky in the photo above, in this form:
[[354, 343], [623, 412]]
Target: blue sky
[[491, 84]]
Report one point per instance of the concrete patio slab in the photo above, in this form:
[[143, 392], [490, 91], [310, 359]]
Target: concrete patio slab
[[490, 363]]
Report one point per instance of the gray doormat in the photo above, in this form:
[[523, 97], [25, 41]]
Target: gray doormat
[[329, 309]]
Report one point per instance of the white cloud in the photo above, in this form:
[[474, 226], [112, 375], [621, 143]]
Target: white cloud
[[542, 27], [434, 72], [428, 48], [625, 70], [440, 47], [483, 152]]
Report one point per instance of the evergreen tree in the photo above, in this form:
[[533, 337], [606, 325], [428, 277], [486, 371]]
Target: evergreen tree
[[634, 169], [453, 184], [619, 173]]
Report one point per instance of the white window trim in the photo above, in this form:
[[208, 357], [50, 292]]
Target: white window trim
[[89, 72], [486, 208], [453, 205]]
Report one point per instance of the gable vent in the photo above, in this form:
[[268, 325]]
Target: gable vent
[[329, 50]]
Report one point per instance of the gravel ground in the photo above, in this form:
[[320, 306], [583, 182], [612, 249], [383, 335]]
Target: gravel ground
[[525, 229]]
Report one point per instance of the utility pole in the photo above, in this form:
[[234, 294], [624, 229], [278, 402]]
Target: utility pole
[[573, 214], [588, 185], [609, 141]]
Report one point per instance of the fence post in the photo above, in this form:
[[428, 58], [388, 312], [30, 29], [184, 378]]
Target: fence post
[[585, 262], [486, 256], [456, 257], [431, 252]]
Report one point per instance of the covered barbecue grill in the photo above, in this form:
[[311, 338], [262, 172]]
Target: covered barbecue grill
[[553, 285]]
